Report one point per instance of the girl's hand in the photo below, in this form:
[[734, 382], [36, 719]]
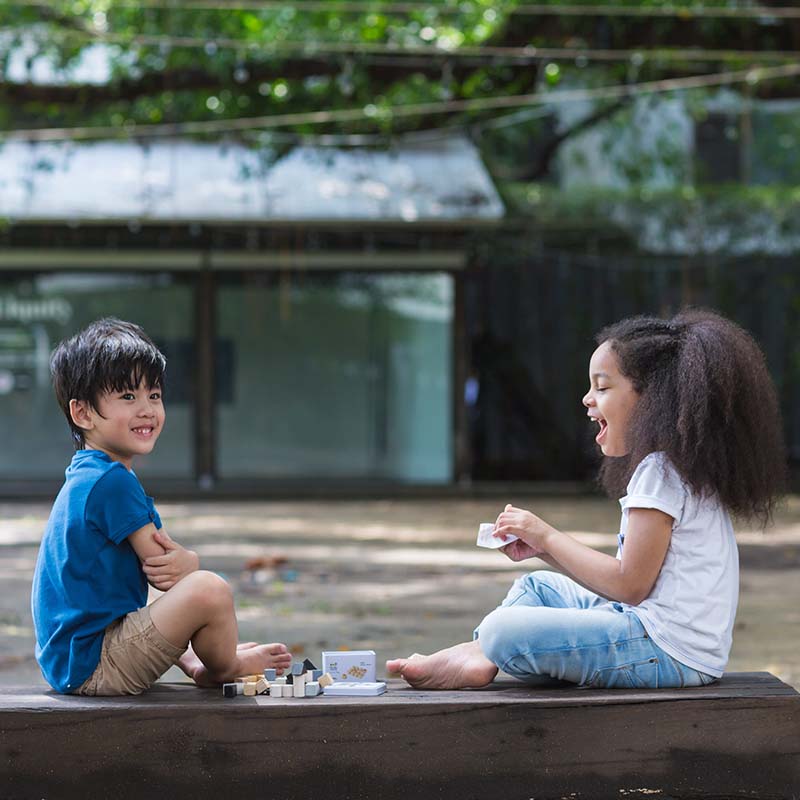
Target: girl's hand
[[165, 571], [532, 532], [519, 550]]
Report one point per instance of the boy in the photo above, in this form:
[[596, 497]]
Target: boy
[[95, 633]]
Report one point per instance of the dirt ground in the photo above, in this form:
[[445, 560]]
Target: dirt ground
[[395, 576]]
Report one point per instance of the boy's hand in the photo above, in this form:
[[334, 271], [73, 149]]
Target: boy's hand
[[164, 571]]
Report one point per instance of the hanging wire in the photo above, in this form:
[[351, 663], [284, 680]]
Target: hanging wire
[[374, 113], [670, 10], [527, 54]]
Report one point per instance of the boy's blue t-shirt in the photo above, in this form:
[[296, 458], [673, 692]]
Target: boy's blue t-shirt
[[87, 574]]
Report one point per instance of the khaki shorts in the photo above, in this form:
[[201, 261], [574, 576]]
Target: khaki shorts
[[133, 657]]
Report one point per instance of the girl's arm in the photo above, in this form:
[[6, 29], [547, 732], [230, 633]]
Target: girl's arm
[[629, 580], [520, 551]]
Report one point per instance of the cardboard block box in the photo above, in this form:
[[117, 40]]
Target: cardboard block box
[[350, 665]]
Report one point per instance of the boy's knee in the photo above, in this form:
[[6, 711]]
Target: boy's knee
[[210, 591]]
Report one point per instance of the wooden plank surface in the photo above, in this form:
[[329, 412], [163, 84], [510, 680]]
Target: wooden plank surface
[[504, 691], [737, 738]]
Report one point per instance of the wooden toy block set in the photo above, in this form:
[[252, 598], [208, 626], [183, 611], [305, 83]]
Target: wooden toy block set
[[347, 673]]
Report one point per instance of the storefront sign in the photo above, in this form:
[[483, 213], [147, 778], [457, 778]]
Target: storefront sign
[[35, 309]]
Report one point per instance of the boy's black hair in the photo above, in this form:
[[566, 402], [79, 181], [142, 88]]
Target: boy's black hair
[[107, 356], [706, 400]]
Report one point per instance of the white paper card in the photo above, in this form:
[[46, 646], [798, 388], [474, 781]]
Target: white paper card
[[486, 537]]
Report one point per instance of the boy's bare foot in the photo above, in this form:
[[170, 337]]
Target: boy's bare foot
[[252, 658], [463, 666], [194, 668]]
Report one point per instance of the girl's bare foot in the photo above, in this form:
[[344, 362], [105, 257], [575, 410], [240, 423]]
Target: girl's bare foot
[[463, 666]]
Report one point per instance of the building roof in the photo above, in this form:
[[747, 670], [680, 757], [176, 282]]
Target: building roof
[[441, 180]]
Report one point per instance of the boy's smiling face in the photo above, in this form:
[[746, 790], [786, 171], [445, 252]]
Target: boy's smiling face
[[123, 424]]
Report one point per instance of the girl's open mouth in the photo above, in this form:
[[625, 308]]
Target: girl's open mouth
[[603, 428]]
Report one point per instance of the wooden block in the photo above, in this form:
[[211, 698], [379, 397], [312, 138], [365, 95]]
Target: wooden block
[[261, 686], [281, 680], [299, 686], [270, 675], [298, 668], [276, 689], [249, 678], [313, 689], [249, 689], [229, 690], [309, 665], [325, 680]]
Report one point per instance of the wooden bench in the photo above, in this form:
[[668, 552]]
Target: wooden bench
[[737, 738]]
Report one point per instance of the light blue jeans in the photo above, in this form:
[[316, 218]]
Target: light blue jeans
[[549, 626]]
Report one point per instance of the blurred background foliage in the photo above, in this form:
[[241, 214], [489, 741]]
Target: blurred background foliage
[[198, 60], [127, 65]]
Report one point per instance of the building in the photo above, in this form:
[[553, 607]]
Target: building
[[307, 303], [373, 319]]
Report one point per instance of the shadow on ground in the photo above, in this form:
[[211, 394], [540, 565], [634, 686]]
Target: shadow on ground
[[394, 576]]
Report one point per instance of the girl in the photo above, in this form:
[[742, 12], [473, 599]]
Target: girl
[[690, 429]]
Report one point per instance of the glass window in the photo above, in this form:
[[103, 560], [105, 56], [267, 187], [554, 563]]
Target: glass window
[[335, 376], [37, 312]]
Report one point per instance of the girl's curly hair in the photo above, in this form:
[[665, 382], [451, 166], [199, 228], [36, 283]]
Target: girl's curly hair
[[706, 400]]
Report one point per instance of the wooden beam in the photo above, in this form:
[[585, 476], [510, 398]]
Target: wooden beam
[[196, 260], [740, 737]]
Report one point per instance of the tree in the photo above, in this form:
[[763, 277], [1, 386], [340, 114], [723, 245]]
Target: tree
[[195, 60]]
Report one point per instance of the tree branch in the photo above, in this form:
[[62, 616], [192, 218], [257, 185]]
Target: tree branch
[[540, 166], [46, 14], [198, 78]]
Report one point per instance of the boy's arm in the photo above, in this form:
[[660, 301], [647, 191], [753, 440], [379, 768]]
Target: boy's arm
[[164, 561]]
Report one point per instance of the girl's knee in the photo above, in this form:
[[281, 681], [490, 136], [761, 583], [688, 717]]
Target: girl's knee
[[495, 637], [548, 587], [521, 641], [537, 588]]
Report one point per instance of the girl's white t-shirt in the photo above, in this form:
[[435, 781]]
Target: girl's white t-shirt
[[691, 610]]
